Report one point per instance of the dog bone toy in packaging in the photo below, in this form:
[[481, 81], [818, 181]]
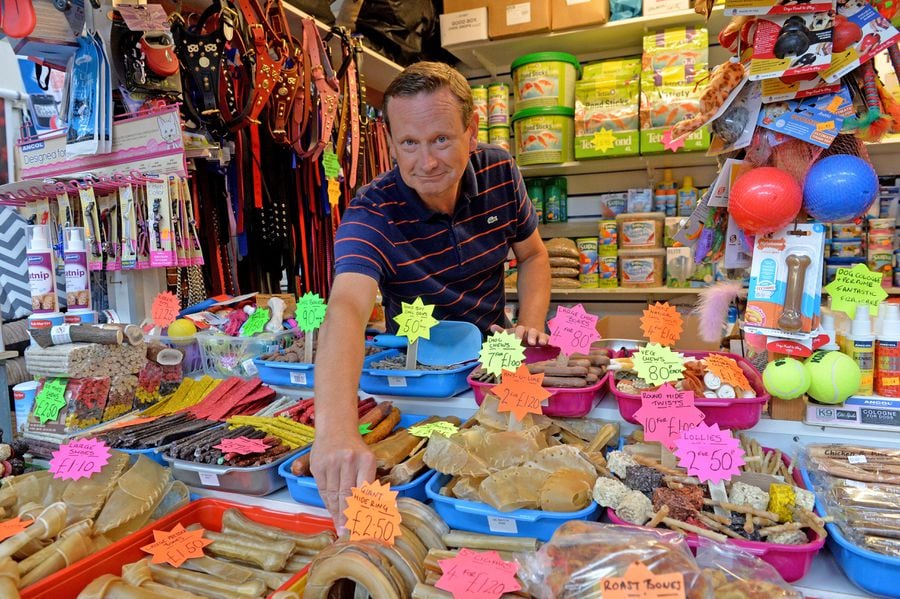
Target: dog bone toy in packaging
[[791, 45], [785, 293], [873, 33], [796, 87]]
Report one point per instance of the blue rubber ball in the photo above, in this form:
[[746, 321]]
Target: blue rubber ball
[[839, 188]]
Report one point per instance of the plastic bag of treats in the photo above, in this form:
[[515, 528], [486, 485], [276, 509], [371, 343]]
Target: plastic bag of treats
[[737, 574], [86, 400], [585, 560]]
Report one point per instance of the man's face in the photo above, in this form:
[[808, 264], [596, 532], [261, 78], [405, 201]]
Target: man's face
[[430, 144]]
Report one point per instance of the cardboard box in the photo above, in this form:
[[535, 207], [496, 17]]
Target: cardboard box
[[661, 7], [568, 14], [784, 409], [628, 326], [464, 26], [509, 18], [451, 6]]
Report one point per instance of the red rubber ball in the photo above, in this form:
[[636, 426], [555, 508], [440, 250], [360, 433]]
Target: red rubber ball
[[764, 200]]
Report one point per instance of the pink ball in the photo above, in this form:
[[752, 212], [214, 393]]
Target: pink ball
[[764, 200]]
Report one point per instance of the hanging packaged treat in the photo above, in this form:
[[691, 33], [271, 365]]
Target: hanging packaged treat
[[791, 45], [815, 120], [128, 226], [162, 242], [796, 87], [860, 33], [90, 216], [785, 293]]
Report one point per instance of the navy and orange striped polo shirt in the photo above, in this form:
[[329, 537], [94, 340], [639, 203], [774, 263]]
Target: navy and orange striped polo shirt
[[452, 262]]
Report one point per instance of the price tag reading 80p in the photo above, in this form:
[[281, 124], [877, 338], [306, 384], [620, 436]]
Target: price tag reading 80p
[[657, 364]]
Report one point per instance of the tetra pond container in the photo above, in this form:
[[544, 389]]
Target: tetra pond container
[[545, 79], [544, 135]]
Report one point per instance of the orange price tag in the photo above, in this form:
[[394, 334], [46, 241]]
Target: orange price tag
[[12, 527], [661, 323], [176, 546], [165, 309], [640, 583], [728, 371], [520, 392], [372, 513]]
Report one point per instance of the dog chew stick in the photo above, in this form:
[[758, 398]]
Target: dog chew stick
[[473, 540], [791, 318]]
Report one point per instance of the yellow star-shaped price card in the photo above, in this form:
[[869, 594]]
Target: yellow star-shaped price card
[[856, 286], [657, 364], [415, 320], [501, 351], [603, 140]]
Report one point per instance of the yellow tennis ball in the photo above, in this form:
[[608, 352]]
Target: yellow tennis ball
[[835, 376], [786, 378], [182, 327]]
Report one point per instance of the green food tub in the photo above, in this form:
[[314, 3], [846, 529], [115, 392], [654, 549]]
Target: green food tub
[[544, 135], [545, 79]]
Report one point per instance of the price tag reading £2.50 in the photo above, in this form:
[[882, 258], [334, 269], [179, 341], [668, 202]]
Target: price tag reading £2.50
[[372, 513], [710, 454]]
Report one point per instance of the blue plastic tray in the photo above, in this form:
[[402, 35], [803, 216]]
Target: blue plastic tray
[[872, 572], [479, 517], [415, 383], [303, 489], [294, 374], [155, 454]]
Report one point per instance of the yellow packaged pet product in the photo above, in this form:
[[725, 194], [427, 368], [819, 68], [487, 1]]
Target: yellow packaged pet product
[[606, 109], [674, 61]]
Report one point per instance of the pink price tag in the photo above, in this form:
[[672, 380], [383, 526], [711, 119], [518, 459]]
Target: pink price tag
[[79, 459], [478, 575], [666, 413], [573, 330], [242, 446], [710, 454]]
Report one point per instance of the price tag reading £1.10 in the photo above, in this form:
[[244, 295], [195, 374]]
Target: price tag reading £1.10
[[82, 458], [710, 454], [372, 513], [415, 320]]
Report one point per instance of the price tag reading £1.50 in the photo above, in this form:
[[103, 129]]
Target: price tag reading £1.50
[[176, 546], [710, 454], [372, 513], [415, 320]]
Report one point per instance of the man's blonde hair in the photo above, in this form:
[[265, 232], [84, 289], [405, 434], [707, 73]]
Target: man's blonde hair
[[429, 77]]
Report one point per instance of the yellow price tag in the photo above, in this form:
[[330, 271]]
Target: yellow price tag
[[657, 364], [825, 126], [415, 320], [501, 351]]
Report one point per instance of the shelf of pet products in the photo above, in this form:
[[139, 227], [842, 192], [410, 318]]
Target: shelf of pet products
[[616, 38], [883, 156], [378, 71]]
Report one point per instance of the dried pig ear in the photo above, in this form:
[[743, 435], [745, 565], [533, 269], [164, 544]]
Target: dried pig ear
[[513, 489], [566, 490]]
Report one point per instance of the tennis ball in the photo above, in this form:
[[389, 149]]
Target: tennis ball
[[182, 328], [835, 376], [786, 378]]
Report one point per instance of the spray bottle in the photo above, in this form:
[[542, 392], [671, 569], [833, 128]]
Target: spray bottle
[[887, 354], [78, 280], [860, 346], [826, 326], [687, 197], [41, 272], [663, 198]]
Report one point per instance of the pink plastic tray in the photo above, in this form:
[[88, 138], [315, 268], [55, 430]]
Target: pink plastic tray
[[727, 413], [791, 561], [562, 403]]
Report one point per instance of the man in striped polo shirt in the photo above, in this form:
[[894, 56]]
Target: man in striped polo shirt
[[438, 226]]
